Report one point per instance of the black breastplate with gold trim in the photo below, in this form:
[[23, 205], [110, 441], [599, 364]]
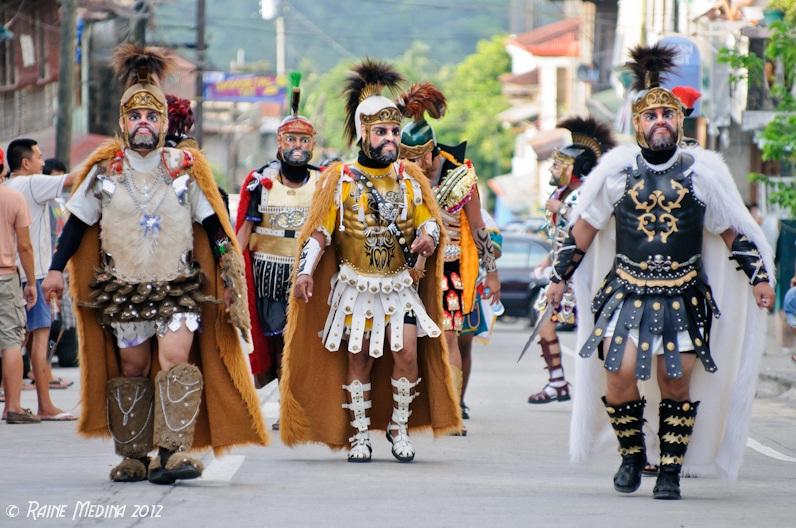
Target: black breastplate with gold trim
[[659, 222]]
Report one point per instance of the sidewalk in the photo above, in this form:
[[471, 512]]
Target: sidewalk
[[777, 370]]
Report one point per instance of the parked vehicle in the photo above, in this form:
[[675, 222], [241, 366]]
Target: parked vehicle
[[519, 287]]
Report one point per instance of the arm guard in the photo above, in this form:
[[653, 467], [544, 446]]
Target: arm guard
[[486, 250], [431, 228], [308, 259], [220, 243], [567, 259], [68, 242], [747, 256]]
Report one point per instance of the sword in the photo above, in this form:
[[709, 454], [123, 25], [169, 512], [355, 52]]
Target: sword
[[543, 316]]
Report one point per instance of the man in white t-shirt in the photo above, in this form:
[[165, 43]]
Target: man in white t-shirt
[[25, 162]]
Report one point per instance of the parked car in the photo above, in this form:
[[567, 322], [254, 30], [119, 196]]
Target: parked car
[[519, 287]]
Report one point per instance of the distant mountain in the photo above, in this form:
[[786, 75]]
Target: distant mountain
[[320, 33]]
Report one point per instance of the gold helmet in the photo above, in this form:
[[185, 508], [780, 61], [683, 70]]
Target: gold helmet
[[649, 66], [365, 106], [140, 71]]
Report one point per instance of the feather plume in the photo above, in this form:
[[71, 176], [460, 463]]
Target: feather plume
[[650, 65], [687, 95], [368, 78], [295, 92], [133, 64], [583, 129], [420, 98], [180, 115]]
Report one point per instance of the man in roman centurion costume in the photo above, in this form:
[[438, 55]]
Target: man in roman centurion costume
[[153, 260], [454, 181], [274, 204], [571, 166], [679, 220], [367, 279]]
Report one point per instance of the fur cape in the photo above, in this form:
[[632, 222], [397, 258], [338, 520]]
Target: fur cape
[[312, 376], [260, 357], [737, 340], [230, 411]]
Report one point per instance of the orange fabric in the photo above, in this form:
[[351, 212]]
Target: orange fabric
[[230, 409], [312, 376], [468, 264]]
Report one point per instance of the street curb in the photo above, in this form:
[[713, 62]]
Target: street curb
[[781, 377]]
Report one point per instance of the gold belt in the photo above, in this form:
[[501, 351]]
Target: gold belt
[[657, 283]]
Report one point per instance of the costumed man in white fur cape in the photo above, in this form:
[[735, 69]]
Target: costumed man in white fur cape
[[658, 221]]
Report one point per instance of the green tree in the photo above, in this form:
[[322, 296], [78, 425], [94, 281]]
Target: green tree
[[778, 137], [474, 101]]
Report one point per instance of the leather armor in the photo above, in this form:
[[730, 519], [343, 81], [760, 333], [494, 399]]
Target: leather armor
[[657, 284]]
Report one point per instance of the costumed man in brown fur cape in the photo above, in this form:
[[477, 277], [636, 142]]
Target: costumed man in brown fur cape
[[152, 253], [372, 230]]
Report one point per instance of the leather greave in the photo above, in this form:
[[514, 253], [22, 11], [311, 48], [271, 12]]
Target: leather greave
[[627, 420], [178, 395], [404, 393], [676, 425], [359, 409], [130, 415]]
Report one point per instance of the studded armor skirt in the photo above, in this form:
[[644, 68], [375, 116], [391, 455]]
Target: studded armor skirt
[[668, 320], [119, 301]]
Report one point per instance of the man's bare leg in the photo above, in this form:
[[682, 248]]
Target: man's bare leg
[[41, 371], [465, 342], [12, 380]]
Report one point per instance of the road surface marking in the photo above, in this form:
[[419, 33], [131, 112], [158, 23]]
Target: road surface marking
[[223, 469], [751, 443], [767, 451]]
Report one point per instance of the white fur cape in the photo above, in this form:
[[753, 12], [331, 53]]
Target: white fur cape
[[736, 341]]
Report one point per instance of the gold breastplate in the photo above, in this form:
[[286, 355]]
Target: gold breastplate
[[365, 243], [284, 210]]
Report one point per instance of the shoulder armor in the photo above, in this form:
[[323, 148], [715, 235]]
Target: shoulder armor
[[177, 161], [456, 188]]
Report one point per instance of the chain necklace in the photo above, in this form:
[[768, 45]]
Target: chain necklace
[[150, 220]]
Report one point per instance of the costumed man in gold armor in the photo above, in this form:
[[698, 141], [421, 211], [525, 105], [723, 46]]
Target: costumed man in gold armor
[[455, 187], [153, 258], [274, 204], [367, 278]]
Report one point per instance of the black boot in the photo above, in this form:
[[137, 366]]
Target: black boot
[[676, 426], [627, 420]]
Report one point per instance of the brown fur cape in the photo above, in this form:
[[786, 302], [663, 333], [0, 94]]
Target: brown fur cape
[[312, 376], [230, 410]]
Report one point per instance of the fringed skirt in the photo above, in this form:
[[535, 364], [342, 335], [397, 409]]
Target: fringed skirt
[[363, 306], [665, 321]]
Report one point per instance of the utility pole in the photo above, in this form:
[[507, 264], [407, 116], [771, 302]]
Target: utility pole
[[63, 121], [138, 33], [200, 67]]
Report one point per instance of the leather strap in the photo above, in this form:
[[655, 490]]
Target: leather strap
[[393, 228]]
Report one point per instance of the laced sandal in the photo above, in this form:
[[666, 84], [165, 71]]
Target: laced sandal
[[550, 393], [361, 451]]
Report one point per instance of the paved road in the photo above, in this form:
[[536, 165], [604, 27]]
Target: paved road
[[512, 470]]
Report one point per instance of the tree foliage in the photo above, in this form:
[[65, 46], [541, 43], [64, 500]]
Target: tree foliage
[[778, 137]]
